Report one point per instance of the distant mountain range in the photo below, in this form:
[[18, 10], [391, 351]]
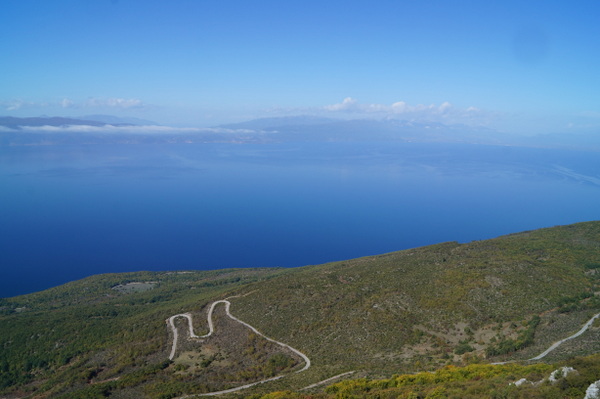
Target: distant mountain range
[[308, 128], [118, 120], [273, 130], [19, 123], [311, 128], [58, 121]]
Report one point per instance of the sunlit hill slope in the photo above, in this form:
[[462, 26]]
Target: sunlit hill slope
[[421, 309]]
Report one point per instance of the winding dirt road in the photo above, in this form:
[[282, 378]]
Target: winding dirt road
[[307, 363], [558, 343], [171, 323]]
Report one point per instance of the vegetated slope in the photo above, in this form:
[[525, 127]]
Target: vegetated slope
[[102, 328], [400, 312], [571, 379], [423, 307]]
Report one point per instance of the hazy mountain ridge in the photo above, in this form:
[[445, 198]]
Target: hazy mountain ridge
[[18, 123], [59, 121], [306, 128], [118, 120], [404, 311], [309, 128]]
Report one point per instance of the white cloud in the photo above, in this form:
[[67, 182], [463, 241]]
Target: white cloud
[[66, 103], [14, 105], [92, 102], [125, 103], [108, 129], [446, 112], [348, 105], [445, 107]]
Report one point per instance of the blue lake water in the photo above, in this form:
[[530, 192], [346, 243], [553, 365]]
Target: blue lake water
[[67, 212]]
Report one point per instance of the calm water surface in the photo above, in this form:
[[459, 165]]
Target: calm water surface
[[67, 212]]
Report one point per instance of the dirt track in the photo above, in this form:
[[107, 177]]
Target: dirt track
[[171, 323]]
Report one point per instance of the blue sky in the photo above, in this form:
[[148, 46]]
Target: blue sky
[[517, 66]]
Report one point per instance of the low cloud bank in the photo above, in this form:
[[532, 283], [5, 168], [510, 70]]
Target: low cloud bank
[[112, 129]]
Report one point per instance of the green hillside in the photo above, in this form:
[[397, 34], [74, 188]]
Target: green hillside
[[416, 310]]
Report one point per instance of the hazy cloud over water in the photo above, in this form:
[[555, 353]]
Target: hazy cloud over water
[[133, 129]]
